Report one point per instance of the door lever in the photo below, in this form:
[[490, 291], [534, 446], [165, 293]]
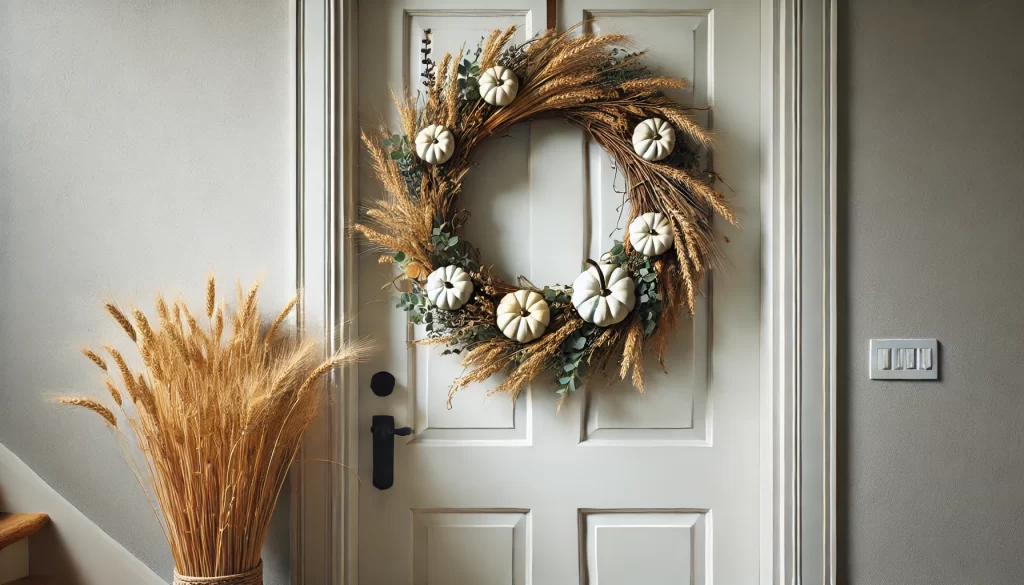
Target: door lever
[[384, 431]]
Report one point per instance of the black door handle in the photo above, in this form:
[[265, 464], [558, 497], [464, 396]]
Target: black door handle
[[384, 431]]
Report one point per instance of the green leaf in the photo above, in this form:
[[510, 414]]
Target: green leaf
[[453, 240], [644, 298], [399, 256], [565, 380], [568, 367], [580, 343], [396, 155]]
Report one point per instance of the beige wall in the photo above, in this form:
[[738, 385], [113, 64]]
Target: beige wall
[[142, 143], [932, 244]]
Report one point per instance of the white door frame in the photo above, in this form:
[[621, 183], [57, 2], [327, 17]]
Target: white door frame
[[798, 134]]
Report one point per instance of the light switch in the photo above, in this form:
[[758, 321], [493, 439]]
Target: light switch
[[885, 358], [926, 358], [903, 359]]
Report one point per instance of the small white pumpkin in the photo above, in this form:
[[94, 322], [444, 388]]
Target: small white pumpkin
[[435, 144], [499, 86], [523, 315], [654, 139], [651, 233], [604, 294], [449, 287]]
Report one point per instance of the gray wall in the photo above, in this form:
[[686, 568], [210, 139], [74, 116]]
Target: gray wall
[[931, 186], [142, 143]]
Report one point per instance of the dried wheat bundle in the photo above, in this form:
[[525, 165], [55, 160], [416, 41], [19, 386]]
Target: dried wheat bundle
[[218, 412], [586, 80]]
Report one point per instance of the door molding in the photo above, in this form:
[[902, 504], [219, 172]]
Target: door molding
[[323, 491], [798, 474], [798, 133]]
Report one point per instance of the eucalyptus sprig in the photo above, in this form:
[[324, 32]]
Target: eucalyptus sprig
[[615, 72], [469, 75], [574, 358], [449, 249], [400, 148], [641, 270]]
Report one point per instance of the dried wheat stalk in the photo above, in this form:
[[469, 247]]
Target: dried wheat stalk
[[218, 420]]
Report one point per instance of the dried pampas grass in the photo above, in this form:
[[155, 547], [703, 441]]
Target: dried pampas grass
[[218, 419]]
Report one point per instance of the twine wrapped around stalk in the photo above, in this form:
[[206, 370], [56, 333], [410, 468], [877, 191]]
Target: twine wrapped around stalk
[[253, 577]]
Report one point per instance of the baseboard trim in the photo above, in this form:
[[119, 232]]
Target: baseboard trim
[[78, 551]]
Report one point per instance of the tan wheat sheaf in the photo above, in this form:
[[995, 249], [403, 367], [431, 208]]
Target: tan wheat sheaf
[[218, 415]]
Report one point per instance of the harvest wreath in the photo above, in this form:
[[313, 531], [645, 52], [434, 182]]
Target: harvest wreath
[[615, 309]]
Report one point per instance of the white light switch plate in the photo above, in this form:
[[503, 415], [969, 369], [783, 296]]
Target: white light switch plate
[[904, 359]]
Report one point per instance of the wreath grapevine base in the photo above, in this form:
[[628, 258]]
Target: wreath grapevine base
[[615, 310]]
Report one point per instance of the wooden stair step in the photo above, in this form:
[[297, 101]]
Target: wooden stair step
[[14, 527], [31, 581]]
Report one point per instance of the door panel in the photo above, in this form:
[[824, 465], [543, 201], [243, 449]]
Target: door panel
[[670, 545], [674, 408], [498, 539], [615, 487]]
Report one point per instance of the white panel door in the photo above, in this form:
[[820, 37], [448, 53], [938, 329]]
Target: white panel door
[[616, 488]]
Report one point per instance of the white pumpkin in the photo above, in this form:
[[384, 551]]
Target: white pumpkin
[[435, 144], [499, 86], [523, 315], [654, 139], [651, 234], [449, 287], [604, 294]]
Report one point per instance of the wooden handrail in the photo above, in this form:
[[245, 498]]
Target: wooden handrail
[[14, 527]]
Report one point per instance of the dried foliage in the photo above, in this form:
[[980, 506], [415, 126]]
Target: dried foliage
[[218, 419], [586, 80]]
